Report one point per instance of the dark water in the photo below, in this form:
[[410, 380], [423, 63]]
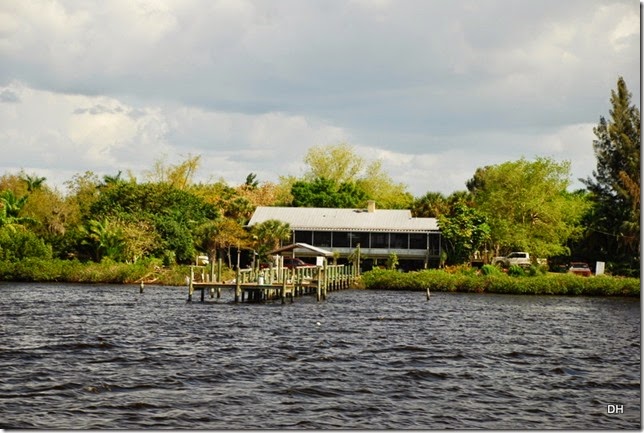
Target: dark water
[[107, 357]]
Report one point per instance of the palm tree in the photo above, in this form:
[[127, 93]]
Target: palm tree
[[105, 238], [12, 204], [13, 223], [33, 182], [268, 236]]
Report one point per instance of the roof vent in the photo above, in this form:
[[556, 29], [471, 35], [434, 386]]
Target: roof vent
[[371, 206]]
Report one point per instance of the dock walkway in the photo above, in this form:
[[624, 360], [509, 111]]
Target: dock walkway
[[275, 283]]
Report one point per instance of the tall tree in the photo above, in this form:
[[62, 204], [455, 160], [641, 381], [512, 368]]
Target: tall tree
[[33, 182], [528, 206], [615, 184], [341, 164], [268, 236], [323, 192], [179, 176], [465, 230], [431, 205]]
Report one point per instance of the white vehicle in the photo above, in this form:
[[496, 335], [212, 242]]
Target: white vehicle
[[518, 258]]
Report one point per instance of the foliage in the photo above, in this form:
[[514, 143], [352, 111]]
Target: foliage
[[465, 230], [551, 284], [615, 187], [173, 213], [19, 244], [528, 207], [490, 270], [392, 261], [341, 164], [430, 205], [516, 271], [178, 176], [268, 235], [322, 192]]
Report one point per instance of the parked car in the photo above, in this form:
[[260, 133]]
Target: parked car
[[518, 258], [294, 262], [580, 268]]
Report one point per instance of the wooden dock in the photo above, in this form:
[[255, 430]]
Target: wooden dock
[[275, 283]]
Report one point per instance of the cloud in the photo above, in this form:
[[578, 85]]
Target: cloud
[[251, 85]]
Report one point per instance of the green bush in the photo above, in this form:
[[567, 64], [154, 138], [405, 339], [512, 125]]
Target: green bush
[[491, 270], [516, 271], [497, 282], [20, 244]]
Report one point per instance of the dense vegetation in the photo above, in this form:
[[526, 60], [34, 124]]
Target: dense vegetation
[[498, 282], [165, 219]]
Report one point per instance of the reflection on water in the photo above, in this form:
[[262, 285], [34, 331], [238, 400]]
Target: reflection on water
[[98, 357]]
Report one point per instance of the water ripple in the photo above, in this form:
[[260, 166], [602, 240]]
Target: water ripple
[[108, 357]]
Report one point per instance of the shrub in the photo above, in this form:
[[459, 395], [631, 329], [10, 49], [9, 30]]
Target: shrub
[[516, 271], [490, 270], [497, 282]]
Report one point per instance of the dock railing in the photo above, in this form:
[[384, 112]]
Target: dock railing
[[273, 282]]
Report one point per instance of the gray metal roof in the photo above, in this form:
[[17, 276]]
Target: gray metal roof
[[309, 218]]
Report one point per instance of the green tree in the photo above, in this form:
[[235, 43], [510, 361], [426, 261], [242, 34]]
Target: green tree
[[18, 244], [179, 176], [337, 162], [340, 163], [431, 205], [33, 182], [174, 213], [528, 207], [12, 204], [219, 236], [323, 192], [105, 238], [615, 185], [268, 235], [465, 230]]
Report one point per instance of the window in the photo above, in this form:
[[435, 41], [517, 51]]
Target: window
[[341, 239], [434, 243], [361, 238], [322, 239], [417, 241], [399, 241], [379, 240], [305, 236]]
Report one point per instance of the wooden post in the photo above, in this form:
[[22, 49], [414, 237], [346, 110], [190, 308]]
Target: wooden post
[[325, 282], [319, 285], [283, 294], [141, 287], [219, 264], [203, 294], [212, 271], [237, 286], [237, 280], [190, 281], [428, 294]]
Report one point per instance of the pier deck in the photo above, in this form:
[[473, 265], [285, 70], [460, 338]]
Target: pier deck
[[276, 283]]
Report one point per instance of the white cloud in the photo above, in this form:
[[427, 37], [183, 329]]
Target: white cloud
[[434, 88]]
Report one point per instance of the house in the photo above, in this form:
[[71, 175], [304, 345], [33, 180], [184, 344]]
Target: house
[[379, 232]]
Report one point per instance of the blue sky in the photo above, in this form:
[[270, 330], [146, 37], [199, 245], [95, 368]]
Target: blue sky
[[433, 88]]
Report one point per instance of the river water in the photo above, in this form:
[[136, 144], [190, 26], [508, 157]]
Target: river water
[[108, 357]]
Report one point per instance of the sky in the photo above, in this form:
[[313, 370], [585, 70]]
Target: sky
[[433, 88]]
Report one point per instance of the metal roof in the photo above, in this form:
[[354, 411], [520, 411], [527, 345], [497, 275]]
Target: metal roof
[[309, 218]]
